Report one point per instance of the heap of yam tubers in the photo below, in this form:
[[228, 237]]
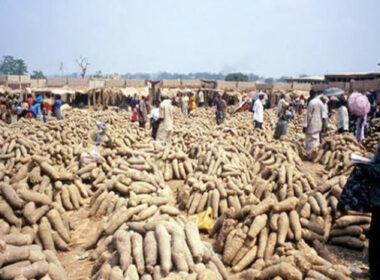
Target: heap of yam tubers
[[272, 218]]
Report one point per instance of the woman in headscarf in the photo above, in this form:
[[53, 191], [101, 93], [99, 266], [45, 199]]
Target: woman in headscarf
[[283, 118]]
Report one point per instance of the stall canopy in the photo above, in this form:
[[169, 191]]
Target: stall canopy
[[59, 91], [131, 91]]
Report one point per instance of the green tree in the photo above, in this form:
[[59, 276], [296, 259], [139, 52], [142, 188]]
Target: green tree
[[282, 79], [37, 74], [237, 77], [98, 75], [11, 66], [269, 80]]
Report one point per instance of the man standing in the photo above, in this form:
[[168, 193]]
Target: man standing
[[279, 105], [219, 109], [166, 120], [185, 105], [373, 172], [313, 122], [155, 118], [258, 112], [201, 99]]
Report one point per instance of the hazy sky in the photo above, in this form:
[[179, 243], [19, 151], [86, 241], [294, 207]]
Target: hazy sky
[[266, 37]]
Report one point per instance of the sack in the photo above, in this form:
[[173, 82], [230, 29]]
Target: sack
[[91, 155], [355, 194], [203, 220]]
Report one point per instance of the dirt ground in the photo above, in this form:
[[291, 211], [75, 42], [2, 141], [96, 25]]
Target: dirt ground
[[84, 228]]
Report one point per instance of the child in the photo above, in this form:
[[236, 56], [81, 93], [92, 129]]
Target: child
[[135, 114]]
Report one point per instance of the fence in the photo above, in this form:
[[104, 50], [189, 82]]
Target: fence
[[21, 82]]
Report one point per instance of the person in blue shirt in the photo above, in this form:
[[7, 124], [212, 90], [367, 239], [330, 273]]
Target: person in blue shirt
[[36, 109], [57, 107]]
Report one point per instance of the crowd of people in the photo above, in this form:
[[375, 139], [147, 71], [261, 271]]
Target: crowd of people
[[13, 107], [319, 108]]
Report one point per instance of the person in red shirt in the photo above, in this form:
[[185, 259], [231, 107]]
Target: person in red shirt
[[30, 100], [135, 115], [48, 104]]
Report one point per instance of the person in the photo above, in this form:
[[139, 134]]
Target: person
[[313, 122], [30, 100], [325, 116], [342, 119], [48, 104], [373, 172], [57, 107], [165, 128], [24, 107], [302, 104], [201, 98], [135, 114], [258, 112], [219, 109], [36, 109], [134, 100], [193, 102], [283, 119], [143, 111], [155, 119], [279, 105], [224, 108], [372, 100], [360, 125], [185, 105], [39, 99]]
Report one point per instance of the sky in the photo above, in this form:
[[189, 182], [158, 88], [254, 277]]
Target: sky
[[271, 38]]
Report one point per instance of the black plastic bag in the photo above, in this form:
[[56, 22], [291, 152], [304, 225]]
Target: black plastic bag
[[355, 194]]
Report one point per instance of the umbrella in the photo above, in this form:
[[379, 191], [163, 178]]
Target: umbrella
[[252, 94], [358, 104], [333, 91]]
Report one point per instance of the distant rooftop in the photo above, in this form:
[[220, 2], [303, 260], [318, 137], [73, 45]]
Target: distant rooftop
[[315, 79]]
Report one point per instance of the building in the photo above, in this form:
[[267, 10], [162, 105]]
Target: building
[[349, 77], [15, 81], [313, 80]]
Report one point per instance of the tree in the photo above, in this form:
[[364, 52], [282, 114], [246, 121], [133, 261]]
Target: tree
[[83, 64], [37, 74], [237, 77], [254, 77], [269, 80], [98, 75], [282, 79], [11, 66]]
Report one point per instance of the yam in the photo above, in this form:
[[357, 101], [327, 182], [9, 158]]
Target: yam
[[193, 240], [11, 196], [150, 251], [163, 241]]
